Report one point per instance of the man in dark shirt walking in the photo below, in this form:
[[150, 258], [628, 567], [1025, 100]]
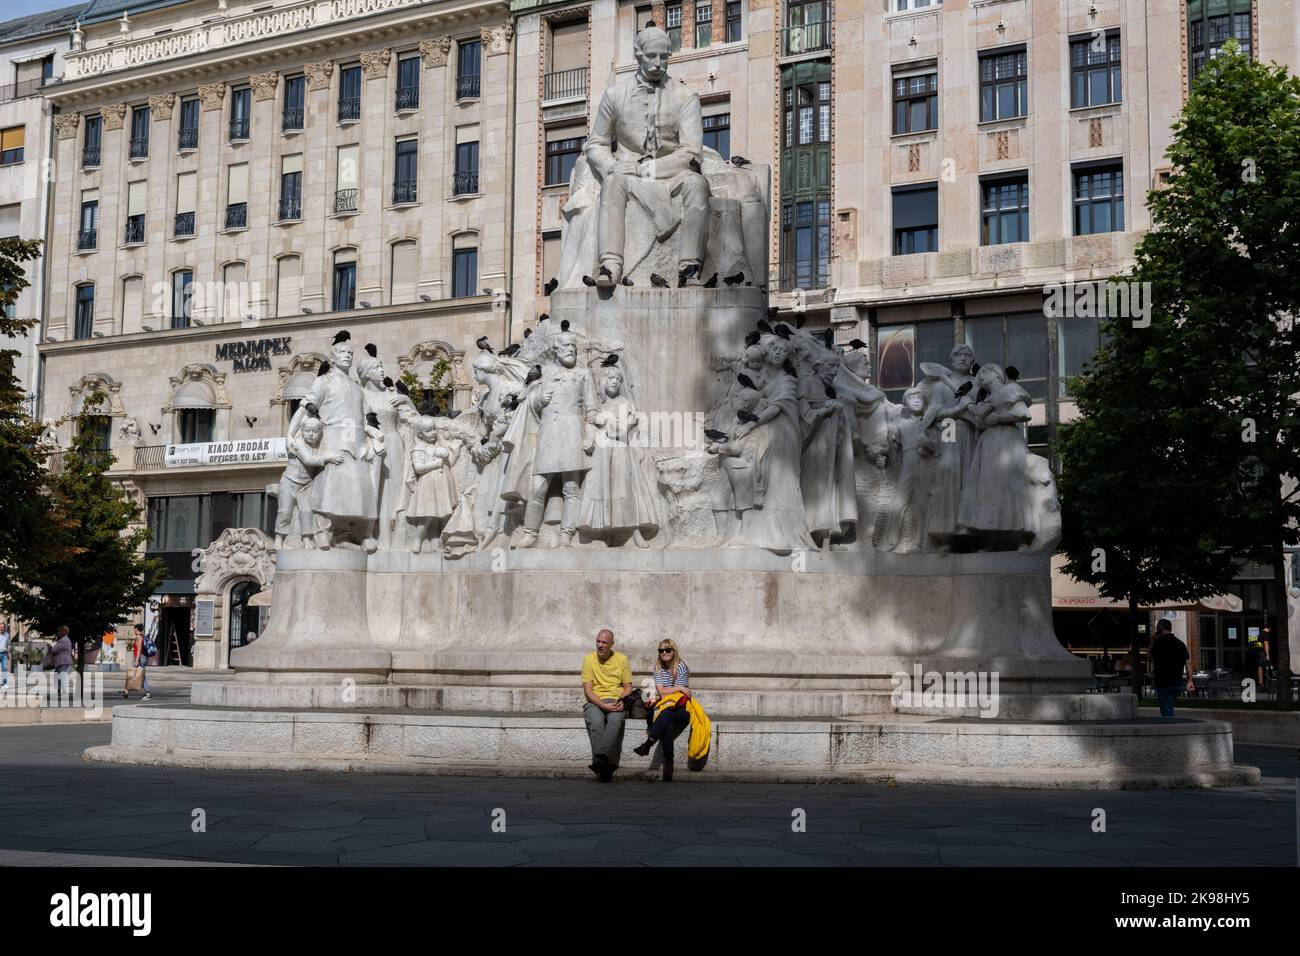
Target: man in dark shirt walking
[[1168, 662]]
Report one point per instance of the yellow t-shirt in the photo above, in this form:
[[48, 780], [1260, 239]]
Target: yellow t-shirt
[[607, 679]]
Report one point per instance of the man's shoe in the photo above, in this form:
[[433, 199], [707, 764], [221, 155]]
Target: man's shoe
[[125, 695], [599, 765], [526, 540], [147, 697], [643, 750], [606, 775]]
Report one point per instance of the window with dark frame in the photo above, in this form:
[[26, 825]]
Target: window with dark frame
[[408, 83], [469, 58], [406, 171], [1004, 206], [349, 93], [916, 219], [673, 26], [345, 286], [196, 425], [735, 25], [464, 273], [562, 155], [1095, 77], [703, 25], [1210, 24], [916, 103], [1098, 199], [900, 350], [188, 135], [291, 195], [182, 298], [84, 312], [806, 244], [1079, 338], [139, 146], [92, 142], [295, 103], [466, 169], [717, 133], [88, 235], [241, 111], [1018, 339], [1004, 85], [808, 113]]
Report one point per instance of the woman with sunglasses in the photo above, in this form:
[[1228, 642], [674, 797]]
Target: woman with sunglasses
[[671, 676]]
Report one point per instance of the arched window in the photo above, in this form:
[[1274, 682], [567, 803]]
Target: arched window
[[243, 622]]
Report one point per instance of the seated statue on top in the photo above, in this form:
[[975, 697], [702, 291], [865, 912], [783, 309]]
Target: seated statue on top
[[648, 198]]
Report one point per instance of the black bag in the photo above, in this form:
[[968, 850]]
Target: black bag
[[633, 706]]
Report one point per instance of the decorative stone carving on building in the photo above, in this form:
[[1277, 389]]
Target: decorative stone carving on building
[[318, 74], [129, 432], [113, 115], [496, 39], [161, 105], [1095, 132], [429, 352], [305, 363], [435, 51], [264, 85], [913, 157], [206, 374], [211, 95], [1004, 144], [237, 553], [374, 64], [66, 124], [97, 382]]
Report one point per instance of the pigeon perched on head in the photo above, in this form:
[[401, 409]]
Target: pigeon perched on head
[[788, 367], [745, 416], [1013, 373], [543, 317], [324, 368], [610, 360], [783, 331], [311, 410], [745, 381], [564, 325], [483, 343], [402, 388], [857, 344], [510, 350], [342, 336], [658, 281], [372, 350], [764, 326], [975, 368], [712, 434], [550, 286], [753, 338], [772, 311], [739, 161], [737, 279], [533, 375]]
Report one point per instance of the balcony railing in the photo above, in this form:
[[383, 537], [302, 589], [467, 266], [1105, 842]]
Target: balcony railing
[[349, 108], [56, 462], [88, 239], [291, 119], [239, 128], [188, 138], [404, 191], [467, 86], [139, 147], [345, 200], [134, 229], [16, 91], [809, 38], [565, 84], [408, 98], [150, 456], [184, 224], [290, 208], [237, 215], [89, 157], [466, 183]]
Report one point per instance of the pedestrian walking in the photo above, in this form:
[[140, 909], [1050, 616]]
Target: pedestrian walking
[[5, 643], [61, 657], [1169, 664], [606, 680], [142, 649]]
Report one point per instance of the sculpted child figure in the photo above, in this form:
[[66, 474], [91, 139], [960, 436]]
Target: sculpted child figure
[[305, 463], [905, 525], [737, 492], [433, 488]]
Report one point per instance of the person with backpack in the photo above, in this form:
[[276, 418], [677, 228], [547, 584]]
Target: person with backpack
[[143, 648]]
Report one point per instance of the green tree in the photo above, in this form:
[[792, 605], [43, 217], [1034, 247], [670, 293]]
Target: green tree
[[1215, 379], [87, 572]]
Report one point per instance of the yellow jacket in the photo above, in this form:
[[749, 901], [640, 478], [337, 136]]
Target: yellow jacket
[[697, 750]]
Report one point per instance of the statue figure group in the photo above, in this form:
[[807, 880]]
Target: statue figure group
[[810, 454]]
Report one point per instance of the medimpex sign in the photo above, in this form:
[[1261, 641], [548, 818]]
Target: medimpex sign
[[246, 452]]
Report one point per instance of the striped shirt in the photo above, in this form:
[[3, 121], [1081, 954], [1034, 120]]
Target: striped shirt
[[680, 677]]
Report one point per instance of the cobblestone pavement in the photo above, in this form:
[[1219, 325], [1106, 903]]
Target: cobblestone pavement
[[120, 814]]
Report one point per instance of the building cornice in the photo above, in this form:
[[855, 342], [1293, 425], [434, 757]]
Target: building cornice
[[257, 41], [326, 322]]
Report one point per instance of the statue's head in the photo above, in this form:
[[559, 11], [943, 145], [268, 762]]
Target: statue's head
[[747, 399], [914, 400], [858, 362], [652, 48], [427, 428], [962, 358], [990, 375], [827, 368], [755, 356], [370, 368], [566, 349], [341, 356], [778, 350], [613, 382], [312, 430], [484, 365]]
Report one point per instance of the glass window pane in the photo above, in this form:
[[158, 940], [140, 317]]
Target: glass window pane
[[984, 336], [896, 365]]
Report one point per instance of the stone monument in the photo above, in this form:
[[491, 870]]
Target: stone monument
[[662, 456]]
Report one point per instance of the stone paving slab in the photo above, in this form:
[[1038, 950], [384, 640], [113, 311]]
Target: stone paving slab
[[109, 813]]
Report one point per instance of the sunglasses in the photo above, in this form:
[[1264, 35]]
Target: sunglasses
[[665, 650]]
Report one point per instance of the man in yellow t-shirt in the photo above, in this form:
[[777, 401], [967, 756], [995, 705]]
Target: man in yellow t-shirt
[[606, 680]]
